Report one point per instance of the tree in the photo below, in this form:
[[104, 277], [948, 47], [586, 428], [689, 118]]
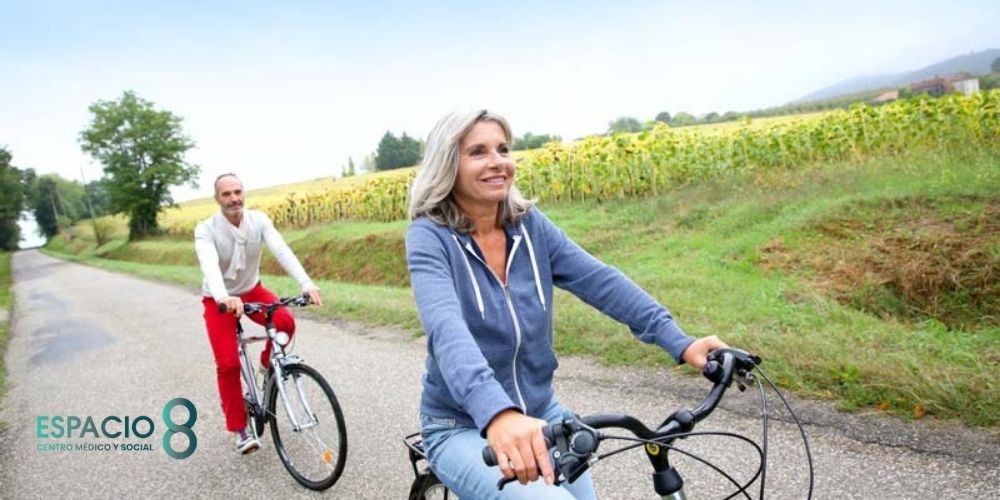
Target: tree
[[991, 81], [410, 151], [11, 201], [532, 141], [396, 153], [142, 151], [386, 151], [682, 119], [45, 203], [97, 194], [663, 117], [995, 65], [348, 171], [54, 199], [367, 164], [624, 124]]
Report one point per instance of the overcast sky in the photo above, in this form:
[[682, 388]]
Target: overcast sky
[[286, 91]]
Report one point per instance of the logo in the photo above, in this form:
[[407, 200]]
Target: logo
[[113, 433], [184, 428]]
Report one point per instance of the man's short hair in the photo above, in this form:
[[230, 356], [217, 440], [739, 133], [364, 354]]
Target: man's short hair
[[215, 185]]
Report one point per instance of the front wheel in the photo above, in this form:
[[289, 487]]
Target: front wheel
[[315, 450]]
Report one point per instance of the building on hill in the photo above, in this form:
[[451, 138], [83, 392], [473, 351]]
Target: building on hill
[[961, 82], [885, 97], [935, 87], [967, 86]]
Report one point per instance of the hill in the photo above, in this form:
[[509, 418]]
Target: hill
[[976, 63]]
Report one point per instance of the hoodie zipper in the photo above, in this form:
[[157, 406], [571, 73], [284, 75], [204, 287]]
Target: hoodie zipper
[[513, 312]]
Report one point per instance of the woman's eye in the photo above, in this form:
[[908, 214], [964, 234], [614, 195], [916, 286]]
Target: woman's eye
[[477, 151], [503, 149]]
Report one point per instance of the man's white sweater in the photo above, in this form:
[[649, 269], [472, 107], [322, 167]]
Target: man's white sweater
[[215, 242]]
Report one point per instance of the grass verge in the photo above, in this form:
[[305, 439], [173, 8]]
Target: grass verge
[[6, 298], [371, 304]]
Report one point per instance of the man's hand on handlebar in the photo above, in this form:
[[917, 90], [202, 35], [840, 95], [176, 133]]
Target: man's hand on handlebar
[[313, 294], [233, 305], [696, 354], [520, 448]]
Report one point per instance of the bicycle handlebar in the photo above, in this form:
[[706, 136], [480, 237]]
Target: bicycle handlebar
[[573, 441], [254, 307]]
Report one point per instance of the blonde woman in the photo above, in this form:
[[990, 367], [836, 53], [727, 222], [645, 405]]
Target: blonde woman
[[483, 261]]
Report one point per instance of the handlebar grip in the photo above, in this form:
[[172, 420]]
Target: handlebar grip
[[489, 458], [222, 308]]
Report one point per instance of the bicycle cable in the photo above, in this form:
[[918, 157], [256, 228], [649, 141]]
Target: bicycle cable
[[761, 449], [764, 418], [802, 431], [658, 442]]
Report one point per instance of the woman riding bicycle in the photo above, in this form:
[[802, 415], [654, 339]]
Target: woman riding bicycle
[[483, 261]]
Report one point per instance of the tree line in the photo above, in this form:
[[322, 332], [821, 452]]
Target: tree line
[[55, 202], [404, 151], [141, 150]]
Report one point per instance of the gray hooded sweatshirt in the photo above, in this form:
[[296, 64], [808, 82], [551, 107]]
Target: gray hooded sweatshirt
[[489, 345]]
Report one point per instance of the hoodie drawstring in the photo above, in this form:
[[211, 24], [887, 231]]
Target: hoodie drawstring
[[534, 266], [472, 277]]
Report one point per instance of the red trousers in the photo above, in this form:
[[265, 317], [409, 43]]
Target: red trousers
[[222, 335]]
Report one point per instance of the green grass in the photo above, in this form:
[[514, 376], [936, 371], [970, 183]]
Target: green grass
[[6, 297], [333, 252], [372, 304], [699, 250]]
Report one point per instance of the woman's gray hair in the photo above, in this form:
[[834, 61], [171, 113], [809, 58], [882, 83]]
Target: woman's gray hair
[[431, 192]]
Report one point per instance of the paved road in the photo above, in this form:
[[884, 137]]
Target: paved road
[[86, 342]]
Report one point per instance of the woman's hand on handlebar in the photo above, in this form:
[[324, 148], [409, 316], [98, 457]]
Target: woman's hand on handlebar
[[313, 294], [233, 306], [696, 354], [520, 447]]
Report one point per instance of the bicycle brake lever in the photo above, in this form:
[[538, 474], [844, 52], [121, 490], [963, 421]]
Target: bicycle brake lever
[[743, 380], [505, 481]]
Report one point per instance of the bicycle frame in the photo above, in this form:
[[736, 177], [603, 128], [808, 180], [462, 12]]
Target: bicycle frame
[[284, 368], [278, 360]]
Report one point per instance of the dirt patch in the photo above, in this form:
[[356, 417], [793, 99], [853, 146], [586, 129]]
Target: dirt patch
[[911, 259]]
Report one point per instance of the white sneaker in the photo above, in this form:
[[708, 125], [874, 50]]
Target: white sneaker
[[245, 441]]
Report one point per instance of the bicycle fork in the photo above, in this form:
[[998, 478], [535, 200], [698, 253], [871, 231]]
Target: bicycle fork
[[279, 376]]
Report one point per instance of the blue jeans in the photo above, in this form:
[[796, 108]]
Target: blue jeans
[[456, 457]]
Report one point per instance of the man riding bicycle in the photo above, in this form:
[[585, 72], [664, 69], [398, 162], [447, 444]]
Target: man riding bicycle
[[228, 245]]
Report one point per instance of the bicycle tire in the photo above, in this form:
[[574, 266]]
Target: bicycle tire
[[429, 487], [315, 456]]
